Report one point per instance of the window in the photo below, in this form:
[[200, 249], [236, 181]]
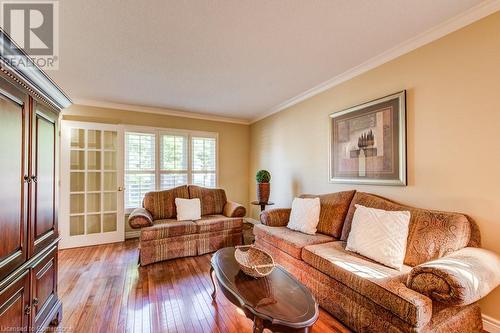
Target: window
[[159, 160], [203, 161], [174, 160], [139, 167]]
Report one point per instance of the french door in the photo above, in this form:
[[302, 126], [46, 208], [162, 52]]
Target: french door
[[91, 184]]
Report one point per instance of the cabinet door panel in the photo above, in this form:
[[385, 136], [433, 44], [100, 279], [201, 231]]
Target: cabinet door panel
[[44, 280], [14, 305], [44, 218], [13, 188]]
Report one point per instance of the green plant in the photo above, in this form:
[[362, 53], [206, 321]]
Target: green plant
[[263, 176]]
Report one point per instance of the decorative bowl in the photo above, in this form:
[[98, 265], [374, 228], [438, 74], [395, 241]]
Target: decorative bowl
[[253, 261]]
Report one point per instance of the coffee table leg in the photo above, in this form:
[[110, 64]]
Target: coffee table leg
[[213, 282], [258, 325]]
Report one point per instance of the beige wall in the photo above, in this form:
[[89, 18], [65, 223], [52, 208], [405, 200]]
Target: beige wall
[[233, 141], [453, 87]]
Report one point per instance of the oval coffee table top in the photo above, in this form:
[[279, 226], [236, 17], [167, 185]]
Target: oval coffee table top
[[278, 297]]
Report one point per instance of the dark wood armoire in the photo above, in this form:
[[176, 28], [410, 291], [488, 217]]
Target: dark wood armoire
[[29, 147]]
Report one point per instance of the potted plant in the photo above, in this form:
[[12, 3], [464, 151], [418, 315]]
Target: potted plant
[[263, 187]]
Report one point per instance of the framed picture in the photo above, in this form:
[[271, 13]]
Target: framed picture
[[368, 142]]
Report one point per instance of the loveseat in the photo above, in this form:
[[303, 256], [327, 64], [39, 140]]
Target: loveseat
[[445, 272], [162, 237]]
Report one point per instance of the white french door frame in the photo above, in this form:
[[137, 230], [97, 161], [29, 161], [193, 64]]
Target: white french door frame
[[68, 241]]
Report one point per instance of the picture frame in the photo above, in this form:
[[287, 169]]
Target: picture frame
[[368, 143]]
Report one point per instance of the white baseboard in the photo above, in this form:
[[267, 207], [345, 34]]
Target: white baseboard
[[490, 324], [132, 234]]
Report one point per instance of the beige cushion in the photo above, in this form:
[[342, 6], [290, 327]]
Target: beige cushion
[[289, 241], [188, 209], [379, 235], [305, 215], [382, 285]]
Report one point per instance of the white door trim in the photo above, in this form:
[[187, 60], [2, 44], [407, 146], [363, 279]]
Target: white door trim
[[64, 204]]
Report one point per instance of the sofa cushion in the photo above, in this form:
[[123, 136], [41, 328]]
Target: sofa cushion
[[432, 234], [334, 207], [289, 241], [167, 228], [211, 223], [212, 199], [161, 204], [383, 285]]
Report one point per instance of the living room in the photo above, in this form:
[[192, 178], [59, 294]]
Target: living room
[[241, 166]]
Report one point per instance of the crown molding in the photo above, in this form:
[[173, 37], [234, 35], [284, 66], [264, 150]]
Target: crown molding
[[157, 110], [28, 74], [463, 19]]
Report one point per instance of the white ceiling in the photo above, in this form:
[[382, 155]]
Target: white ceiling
[[231, 58]]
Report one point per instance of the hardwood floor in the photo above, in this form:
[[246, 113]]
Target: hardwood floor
[[103, 290]]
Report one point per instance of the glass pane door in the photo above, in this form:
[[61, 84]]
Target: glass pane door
[[92, 181]]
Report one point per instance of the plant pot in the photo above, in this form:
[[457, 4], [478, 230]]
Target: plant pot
[[263, 191]]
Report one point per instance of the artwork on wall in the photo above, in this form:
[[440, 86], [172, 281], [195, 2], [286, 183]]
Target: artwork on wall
[[368, 142]]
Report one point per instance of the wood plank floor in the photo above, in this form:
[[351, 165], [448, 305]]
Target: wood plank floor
[[103, 290]]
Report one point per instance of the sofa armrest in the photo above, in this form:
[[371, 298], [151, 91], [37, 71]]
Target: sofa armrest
[[461, 278], [140, 218], [234, 209], [277, 217]]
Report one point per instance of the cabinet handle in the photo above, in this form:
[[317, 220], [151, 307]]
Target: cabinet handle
[[35, 301], [33, 179], [26, 179], [27, 310]]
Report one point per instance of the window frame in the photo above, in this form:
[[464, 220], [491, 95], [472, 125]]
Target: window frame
[[201, 172], [160, 150], [158, 132], [136, 172]]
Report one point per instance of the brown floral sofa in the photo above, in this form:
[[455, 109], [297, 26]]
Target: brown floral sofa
[[163, 237], [444, 276]]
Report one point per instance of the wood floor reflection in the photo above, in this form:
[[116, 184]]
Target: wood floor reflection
[[103, 290]]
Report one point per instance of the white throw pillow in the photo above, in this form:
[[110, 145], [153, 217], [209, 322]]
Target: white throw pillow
[[380, 235], [188, 209], [305, 215]]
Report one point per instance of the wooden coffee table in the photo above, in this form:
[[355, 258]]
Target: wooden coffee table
[[277, 302]]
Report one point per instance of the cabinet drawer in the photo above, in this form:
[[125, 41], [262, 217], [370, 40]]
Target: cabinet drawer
[[44, 286], [15, 304]]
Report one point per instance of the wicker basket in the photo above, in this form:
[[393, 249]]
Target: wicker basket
[[254, 262]]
